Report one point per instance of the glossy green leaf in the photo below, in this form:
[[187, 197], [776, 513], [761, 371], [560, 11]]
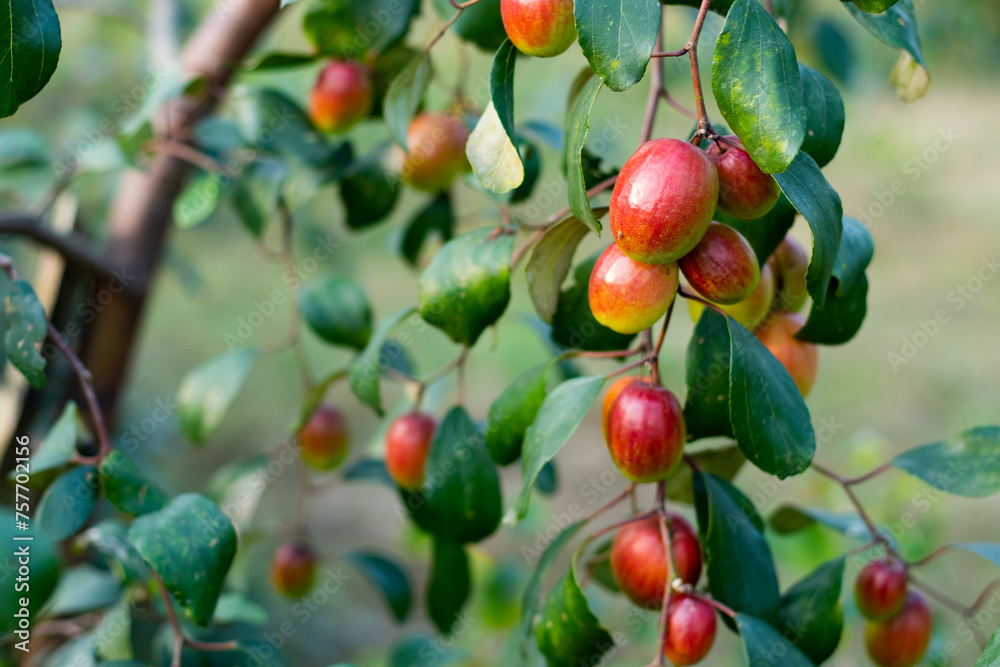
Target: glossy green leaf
[[25, 328], [369, 190], [44, 566], [461, 493], [577, 130], [198, 201], [841, 316], [449, 585], [466, 287], [811, 195], [127, 487], [110, 539], [191, 544], [770, 420], [337, 310], [31, 41], [761, 643], [256, 193], [755, 78], [811, 613], [617, 38], [82, 589], [720, 7], [896, 27], [549, 264], [513, 411], [966, 465], [68, 503], [991, 656], [491, 148], [366, 369], [404, 96], [387, 577], [874, 6], [59, 446], [765, 233], [207, 392], [437, 217], [824, 116], [574, 325], [560, 415], [568, 632], [723, 462], [739, 565], [706, 408]]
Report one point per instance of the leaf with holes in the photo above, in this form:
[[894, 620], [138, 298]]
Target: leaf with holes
[[25, 328]]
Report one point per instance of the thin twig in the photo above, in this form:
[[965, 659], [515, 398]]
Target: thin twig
[[460, 8], [295, 316], [704, 127], [840, 479], [175, 625]]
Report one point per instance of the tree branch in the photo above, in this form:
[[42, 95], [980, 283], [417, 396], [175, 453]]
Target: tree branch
[[74, 248]]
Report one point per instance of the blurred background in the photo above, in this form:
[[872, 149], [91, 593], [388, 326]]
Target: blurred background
[[922, 177]]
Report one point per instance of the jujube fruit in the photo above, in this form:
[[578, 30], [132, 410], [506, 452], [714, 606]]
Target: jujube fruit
[[800, 358], [435, 151], [691, 627], [901, 641], [749, 312], [663, 201], [790, 263], [323, 440], [540, 28], [293, 569], [407, 443], [639, 564], [610, 396], [723, 267], [744, 190], [341, 97], [646, 432], [628, 296], [880, 589]]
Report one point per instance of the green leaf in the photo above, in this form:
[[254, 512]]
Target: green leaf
[[706, 408], [198, 201], [561, 413], [449, 585], [110, 539], [811, 195], [841, 316], [31, 41], [279, 60], [824, 116], [550, 262], [532, 161], [82, 589], [330, 26], [68, 503], [466, 287], [991, 656], [337, 310], [965, 465], [761, 643], [381, 23], [438, 217], [766, 233], [480, 23], [897, 27], [388, 577], [207, 392], [720, 7], [25, 328], [491, 148], [190, 543], [617, 38], [738, 561], [461, 493], [770, 420], [577, 130], [723, 462], [59, 446], [366, 369], [112, 637], [128, 488], [574, 325], [237, 608], [513, 411], [755, 78], [279, 125], [874, 6], [568, 632], [811, 613], [403, 97], [369, 190], [44, 567], [255, 195], [791, 519]]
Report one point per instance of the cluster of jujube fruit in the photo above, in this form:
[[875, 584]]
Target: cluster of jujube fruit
[[899, 620]]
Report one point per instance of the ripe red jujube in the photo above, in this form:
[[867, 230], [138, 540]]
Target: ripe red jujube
[[323, 440], [407, 443], [341, 97], [901, 641], [744, 190], [723, 267], [629, 296], [690, 630], [540, 28], [639, 564], [646, 432], [435, 151], [880, 589], [293, 569]]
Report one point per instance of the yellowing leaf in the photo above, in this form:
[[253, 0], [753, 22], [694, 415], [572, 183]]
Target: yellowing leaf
[[494, 159]]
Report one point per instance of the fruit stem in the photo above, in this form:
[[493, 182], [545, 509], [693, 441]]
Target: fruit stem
[[652, 363], [82, 374], [458, 6], [663, 331], [704, 127], [688, 589], [694, 297]]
